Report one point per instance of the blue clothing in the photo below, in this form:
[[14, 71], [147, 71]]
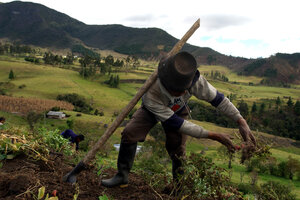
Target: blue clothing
[[69, 134]]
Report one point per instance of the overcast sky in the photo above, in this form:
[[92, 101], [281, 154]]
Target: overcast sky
[[246, 28]]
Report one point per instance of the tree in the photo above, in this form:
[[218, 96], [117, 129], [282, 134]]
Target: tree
[[224, 153], [68, 60], [275, 190], [243, 108], [254, 108], [109, 60], [11, 75], [292, 167], [290, 102], [103, 68], [278, 102], [210, 59], [136, 62], [32, 118], [297, 108], [262, 108]]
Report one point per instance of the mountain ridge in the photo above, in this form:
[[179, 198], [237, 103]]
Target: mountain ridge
[[36, 24]]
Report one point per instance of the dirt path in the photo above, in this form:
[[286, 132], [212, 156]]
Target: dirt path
[[21, 177]]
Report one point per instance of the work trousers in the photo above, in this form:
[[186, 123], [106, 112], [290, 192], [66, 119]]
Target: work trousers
[[140, 124]]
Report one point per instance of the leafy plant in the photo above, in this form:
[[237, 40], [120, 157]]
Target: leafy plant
[[55, 141], [12, 144], [204, 180], [41, 194], [103, 197]]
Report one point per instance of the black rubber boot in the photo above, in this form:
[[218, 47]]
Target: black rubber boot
[[71, 176], [125, 161]]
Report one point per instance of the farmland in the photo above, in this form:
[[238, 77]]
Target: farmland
[[44, 83]]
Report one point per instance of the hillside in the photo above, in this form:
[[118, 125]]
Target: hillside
[[35, 24], [151, 174], [281, 67]]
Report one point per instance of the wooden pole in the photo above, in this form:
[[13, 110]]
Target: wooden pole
[[91, 154]]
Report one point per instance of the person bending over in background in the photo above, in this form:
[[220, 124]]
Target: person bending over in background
[[73, 138], [2, 121], [166, 102]]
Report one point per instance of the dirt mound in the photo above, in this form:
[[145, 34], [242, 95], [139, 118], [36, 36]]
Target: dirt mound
[[21, 178]]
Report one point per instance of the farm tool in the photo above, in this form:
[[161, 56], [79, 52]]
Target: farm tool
[[71, 176]]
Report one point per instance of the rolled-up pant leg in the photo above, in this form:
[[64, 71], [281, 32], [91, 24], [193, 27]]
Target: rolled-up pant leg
[[138, 127]]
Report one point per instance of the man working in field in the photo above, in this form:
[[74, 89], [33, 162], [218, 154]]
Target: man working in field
[[166, 102], [73, 138]]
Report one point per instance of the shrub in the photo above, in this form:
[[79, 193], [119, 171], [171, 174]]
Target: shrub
[[246, 188], [55, 108], [55, 141], [32, 118], [70, 123], [22, 86], [11, 75], [204, 180], [274, 190], [79, 102], [32, 59], [2, 91]]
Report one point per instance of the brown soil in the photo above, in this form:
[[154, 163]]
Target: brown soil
[[21, 178]]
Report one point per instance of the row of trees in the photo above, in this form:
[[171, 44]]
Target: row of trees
[[216, 75], [51, 59], [113, 81], [15, 49], [90, 66], [273, 116], [269, 165]]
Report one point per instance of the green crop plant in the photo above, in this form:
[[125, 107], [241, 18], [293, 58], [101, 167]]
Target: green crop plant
[[54, 141], [41, 194], [103, 197]]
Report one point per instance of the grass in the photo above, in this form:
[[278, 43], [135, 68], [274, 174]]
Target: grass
[[47, 82], [232, 76]]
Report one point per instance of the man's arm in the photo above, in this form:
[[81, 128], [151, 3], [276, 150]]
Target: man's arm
[[196, 131], [203, 90], [223, 139]]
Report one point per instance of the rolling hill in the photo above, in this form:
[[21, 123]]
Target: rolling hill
[[35, 24]]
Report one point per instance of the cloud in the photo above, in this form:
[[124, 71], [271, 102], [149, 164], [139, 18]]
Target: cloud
[[140, 18], [219, 21]]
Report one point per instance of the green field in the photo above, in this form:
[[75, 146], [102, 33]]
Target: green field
[[46, 82]]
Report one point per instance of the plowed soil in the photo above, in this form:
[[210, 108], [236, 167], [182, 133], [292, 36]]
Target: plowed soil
[[21, 177]]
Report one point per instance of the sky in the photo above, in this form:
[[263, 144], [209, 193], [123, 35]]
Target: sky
[[243, 28]]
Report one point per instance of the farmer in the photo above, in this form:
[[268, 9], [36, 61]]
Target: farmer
[[2, 121], [73, 138], [166, 102]]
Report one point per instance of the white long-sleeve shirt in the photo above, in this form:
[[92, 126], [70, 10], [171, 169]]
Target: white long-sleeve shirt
[[164, 106]]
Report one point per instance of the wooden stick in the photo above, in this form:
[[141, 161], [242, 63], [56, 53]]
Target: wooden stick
[[91, 154]]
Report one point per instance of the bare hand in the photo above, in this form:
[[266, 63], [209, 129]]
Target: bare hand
[[223, 139], [245, 131]]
